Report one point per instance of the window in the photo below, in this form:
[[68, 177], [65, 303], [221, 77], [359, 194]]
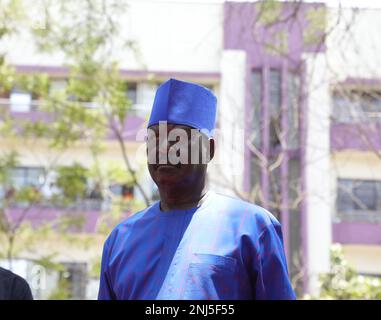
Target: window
[[356, 106], [275, 100], [20, 101], [257, 99], [26, 176], [275, 92], [20, 178], [293, 86], [123, 190], [145, 95], [57, 86], [356, 198], [127, 192], [131, 92]]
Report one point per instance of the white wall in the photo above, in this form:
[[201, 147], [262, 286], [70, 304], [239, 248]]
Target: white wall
[[227, 168], [364, 258], [169, 36], [352, 164], [317, 170]]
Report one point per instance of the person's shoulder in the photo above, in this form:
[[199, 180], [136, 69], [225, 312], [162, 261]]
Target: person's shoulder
[[6, 274], [241, 208], [123, 227], [19, 287]]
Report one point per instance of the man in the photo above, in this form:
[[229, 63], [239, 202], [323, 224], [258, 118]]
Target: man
[[193, 243], [13, 287]]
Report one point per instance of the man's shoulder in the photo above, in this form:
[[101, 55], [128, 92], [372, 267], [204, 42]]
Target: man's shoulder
[[6, 274], [243, 208], [17, 286], [128, 223]]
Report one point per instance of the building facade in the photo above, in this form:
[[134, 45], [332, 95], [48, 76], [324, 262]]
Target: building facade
[[299, 115]]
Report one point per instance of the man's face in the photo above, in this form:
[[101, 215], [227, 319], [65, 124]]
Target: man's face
[[177, 154]]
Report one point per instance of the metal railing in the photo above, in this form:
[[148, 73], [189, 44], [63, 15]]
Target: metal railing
[[33, 105]]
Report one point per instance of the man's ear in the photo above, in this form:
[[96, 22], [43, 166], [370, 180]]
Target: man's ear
[[211, 148]]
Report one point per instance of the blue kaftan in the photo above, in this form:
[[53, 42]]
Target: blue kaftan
[[224, 249]]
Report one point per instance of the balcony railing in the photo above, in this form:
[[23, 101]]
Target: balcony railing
[[78, 205], [10, 106], [136, 109]]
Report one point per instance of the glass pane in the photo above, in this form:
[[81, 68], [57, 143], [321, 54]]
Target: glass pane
[[378, 191], [34, 176], [275, 92], [371, 106], [257, 97], [131, 92], [293, 85], [274, 190], [365, 195], [116, 189], [344, 201], [144, 99], [356, 106], [18, 177], [274, 107]]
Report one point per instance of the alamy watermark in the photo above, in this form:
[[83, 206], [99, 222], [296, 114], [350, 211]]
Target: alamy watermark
[[184, 145]]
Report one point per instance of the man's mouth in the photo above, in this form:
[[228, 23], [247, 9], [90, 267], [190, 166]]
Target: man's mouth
[[168, 166]]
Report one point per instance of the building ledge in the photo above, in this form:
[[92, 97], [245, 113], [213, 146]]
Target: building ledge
[[346, 232]]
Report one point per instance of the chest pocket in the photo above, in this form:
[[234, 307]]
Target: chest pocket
[[211, 277]]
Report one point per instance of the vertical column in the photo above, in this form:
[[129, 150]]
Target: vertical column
[[316, 161], [231, 140], [284, 210]]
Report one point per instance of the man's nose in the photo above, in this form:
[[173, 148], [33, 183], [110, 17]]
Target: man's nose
[[163, 149]]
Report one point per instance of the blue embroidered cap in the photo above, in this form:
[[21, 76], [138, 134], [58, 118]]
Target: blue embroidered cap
[[185, 103]]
